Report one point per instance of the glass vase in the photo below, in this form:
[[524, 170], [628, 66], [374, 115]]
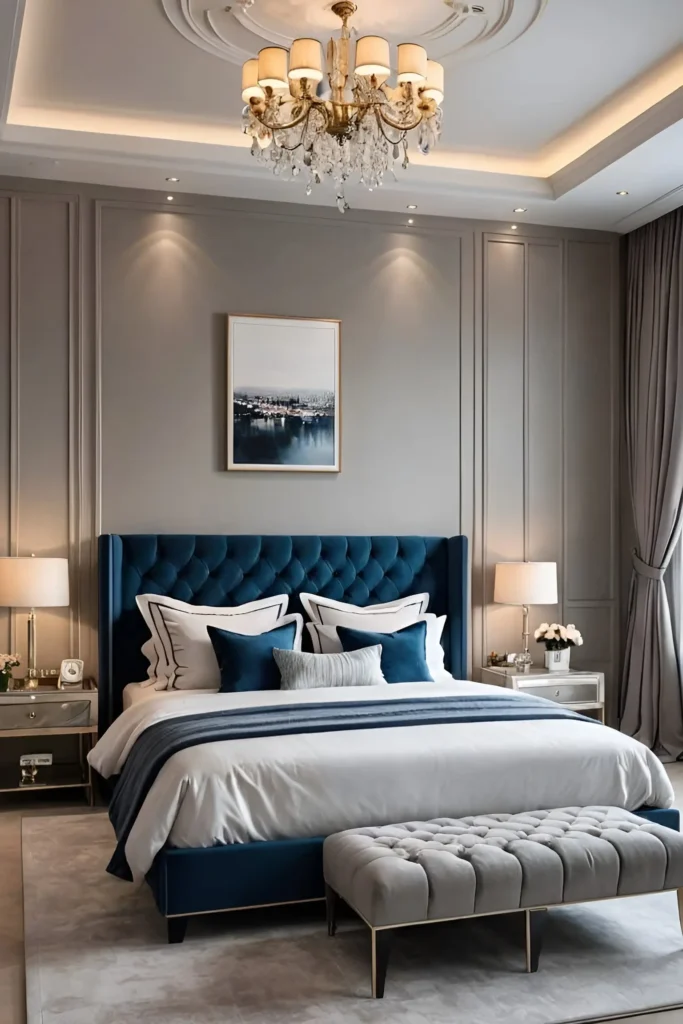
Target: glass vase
[[5, 678]]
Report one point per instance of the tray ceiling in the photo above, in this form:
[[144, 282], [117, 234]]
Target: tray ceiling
[[553, 106]]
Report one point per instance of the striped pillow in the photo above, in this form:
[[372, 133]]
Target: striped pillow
[[302, 671]]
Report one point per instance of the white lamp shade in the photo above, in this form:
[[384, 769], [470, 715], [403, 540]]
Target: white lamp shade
[[412, 63], [306, 60], [372, 56], [272, 67], [34, 582], [525, 583], [250, 87], [434, 86]]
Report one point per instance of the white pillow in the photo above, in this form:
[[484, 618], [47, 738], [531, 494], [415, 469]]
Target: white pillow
[[195, 666], [188, 623], [149, 651], [327, 612], [326, 640]]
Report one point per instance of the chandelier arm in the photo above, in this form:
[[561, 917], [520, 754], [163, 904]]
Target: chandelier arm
[[292, 149], [399, 127], [293, 123], [392, 142]]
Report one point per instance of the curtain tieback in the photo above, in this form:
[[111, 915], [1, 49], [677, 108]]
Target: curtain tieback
[[652, 572]]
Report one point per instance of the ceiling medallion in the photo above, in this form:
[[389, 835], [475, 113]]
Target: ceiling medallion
[[358, 125], [451, 30]]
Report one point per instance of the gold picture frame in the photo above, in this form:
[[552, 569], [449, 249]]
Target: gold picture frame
[[283, 394]]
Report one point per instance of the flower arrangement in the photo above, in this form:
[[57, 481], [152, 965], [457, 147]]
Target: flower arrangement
[[557, 637], [7, 663]]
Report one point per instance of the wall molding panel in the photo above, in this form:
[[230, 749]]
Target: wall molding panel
[[14, 244], [548, 435], [504, 343], [44, 476]]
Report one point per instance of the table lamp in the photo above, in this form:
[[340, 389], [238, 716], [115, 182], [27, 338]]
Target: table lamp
[[525, 583], [33, 583]]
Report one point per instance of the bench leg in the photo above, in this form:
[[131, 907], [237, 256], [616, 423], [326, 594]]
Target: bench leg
[[679, 894], [176, 928], [331, 901], [381, 948], [535, 925]]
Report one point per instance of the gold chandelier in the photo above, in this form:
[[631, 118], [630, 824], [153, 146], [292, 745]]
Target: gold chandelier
[[357, 126]]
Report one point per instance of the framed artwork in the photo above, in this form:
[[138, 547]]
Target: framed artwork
[[284, 394]]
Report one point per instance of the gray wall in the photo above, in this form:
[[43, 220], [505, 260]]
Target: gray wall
[[478, 376]]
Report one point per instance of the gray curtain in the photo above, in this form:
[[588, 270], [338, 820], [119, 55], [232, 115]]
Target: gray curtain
[[651, 696]]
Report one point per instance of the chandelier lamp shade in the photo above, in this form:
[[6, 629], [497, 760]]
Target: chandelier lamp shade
[[306, 60], [338, 118], [372, 57]]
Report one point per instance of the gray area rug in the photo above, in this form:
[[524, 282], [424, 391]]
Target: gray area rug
[[96, 953]]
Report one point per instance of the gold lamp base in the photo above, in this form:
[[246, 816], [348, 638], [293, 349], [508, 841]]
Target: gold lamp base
[[32, 671], [524, 661]]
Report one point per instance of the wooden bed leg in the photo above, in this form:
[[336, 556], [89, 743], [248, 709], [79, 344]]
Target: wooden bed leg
[[679, 894], [535, 925], [381, 948], [176, 927], [331, 901]]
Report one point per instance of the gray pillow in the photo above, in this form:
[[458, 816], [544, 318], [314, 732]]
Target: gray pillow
[[302, 671]]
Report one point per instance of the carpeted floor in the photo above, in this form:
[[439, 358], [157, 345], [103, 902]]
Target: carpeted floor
[[96, 953]]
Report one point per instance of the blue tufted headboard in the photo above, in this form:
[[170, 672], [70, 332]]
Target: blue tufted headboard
[[229, 570]]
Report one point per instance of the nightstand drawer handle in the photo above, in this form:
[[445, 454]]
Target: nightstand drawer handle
[[557, 693], [31, 714]]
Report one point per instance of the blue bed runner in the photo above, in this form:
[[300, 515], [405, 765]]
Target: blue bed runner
[[162, 740]]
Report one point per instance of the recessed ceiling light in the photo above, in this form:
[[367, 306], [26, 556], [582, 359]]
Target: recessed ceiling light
[[412, 206], [410, 220], [513, 227], [173, 179], [519, 209], [622, 192], [170, 198]]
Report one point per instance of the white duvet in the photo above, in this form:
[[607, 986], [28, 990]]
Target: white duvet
[[237, 791]]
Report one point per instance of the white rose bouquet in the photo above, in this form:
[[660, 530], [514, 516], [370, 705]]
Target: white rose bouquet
[[557, 637], [7, 663]]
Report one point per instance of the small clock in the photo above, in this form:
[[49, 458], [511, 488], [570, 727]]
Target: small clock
[[71, 672]]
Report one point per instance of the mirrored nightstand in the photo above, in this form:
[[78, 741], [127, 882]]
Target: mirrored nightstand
[[578, 691], [31, 722]]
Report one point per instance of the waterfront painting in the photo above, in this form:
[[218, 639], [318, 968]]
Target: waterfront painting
[[283, 394]]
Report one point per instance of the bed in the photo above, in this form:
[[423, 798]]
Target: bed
[[221, 852]]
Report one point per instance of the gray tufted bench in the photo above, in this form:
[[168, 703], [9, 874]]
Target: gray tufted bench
[[426, 871]]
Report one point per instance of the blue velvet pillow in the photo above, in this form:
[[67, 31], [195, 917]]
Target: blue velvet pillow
[[403, 652], [247, 662]]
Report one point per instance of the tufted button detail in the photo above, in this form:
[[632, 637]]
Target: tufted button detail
[[500, 862], [233, 569]]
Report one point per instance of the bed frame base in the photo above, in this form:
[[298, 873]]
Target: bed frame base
[[249, 876], [176, 928]]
